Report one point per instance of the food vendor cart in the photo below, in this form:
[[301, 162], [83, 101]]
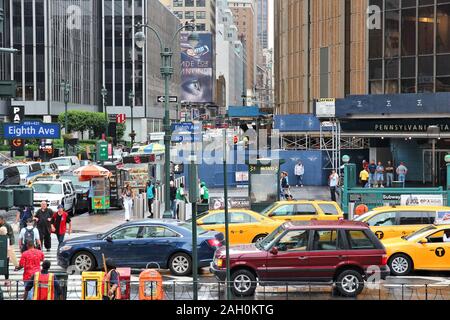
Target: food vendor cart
[[117, 182], [142, 168], [101, 199]]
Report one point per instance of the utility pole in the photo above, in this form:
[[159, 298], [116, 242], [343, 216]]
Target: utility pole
[[227, 218], [66, 89]]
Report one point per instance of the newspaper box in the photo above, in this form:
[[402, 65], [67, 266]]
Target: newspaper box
[[125, 282], [91, 285], [151, 285]]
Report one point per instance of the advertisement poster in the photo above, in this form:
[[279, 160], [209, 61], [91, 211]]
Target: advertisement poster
[[422, 200], [233, 203], [197, 68]]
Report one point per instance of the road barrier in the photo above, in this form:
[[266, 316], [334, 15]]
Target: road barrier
[[182, 290]]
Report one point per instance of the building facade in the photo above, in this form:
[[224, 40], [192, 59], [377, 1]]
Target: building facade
[[202, 11], [263, 23], [58, 41], [127, 68], [230, 62], [245, 14]]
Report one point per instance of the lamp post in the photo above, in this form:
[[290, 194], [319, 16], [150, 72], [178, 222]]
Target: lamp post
[[66, 89], [166, 73], [132, 134], [434, 131], [104, 93]]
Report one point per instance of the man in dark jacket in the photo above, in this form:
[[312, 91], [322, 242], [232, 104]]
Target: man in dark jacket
[[9, 229], [43, 218]]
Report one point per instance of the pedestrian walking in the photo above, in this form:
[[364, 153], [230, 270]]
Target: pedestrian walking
[[11, 254], [23, 215], [389, 174], [60, 220], [151, 192], [30, 262], [285, 187], [299, 172], [402, 171], [204, 193], [111, 282], [333, 182], [372, 168], [364, 178], [29, 234], [128, 197], [43, 218], [43, 285], [173, 199], [379, 175]]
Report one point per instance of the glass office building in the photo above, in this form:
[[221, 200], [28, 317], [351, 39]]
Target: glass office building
[[411, 50]]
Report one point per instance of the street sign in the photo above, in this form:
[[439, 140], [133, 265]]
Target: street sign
[[162, 99], [121, 118], [102, 151], [31, 130], [17, 114]]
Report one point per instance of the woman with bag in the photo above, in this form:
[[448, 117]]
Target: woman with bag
[[60, 220]]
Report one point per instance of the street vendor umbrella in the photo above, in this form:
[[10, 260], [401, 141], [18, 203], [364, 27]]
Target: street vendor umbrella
[[93, 171], [154, 148]]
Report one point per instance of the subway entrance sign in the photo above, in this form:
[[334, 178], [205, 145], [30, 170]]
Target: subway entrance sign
[[31, 130]]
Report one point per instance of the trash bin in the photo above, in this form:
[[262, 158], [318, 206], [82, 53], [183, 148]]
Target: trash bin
[[125, 282], [63, 279]]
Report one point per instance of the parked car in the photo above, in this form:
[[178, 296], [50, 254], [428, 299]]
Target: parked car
[[304, 210], [9, 176], [245, 226], [425, 249], [340, 252], [83, 203], [28, 171], [135, 244], [66, 164], [396, 222], [50, 167], [55, 192]]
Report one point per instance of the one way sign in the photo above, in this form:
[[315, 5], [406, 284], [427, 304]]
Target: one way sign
[[172, 99]]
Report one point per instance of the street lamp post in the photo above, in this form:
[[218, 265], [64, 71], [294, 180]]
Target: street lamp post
[[66, 89], [104, 93], [434, 131], [166, 73], [132, 134]]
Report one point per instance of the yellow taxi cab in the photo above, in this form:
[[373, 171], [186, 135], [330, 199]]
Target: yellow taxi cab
[[396, 222], [245, 226], [304, 210], [425, 249]]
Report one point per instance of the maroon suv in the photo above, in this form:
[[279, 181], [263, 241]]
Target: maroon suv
[[340, 252]]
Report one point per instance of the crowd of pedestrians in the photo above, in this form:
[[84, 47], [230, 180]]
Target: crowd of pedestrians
[[378, 175]]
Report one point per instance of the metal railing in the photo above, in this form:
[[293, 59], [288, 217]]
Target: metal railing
[[182, 290]]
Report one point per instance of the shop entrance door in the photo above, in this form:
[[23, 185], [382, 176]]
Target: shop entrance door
[[441, 166]]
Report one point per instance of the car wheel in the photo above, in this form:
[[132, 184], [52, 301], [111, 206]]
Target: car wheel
[[350, 283], [243, 283], [400, 265], [259, 238], [180, 264], [84, 261]]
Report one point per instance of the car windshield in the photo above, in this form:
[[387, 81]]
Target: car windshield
[[23, 169], [47, 188], [419, 234], [62, 162], [364, 216], [268, 209], [188, 226], [76, 182], [268, 241]]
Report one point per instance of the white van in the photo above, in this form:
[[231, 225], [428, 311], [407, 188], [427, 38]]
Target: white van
[[67, 164]]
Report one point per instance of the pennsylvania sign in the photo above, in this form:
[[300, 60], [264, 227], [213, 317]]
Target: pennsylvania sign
[[31, 130]]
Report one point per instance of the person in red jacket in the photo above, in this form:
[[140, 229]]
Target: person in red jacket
[[60, 220], [31, 263]]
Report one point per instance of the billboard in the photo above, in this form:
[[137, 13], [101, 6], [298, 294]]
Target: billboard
[[197, 68]]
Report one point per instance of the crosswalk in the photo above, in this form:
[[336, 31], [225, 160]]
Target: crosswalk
[[15, 289]]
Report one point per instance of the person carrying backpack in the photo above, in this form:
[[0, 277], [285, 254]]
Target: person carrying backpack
[[29, 234]]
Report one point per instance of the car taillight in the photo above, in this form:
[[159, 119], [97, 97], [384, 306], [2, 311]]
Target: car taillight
[[214, 243], [384, 260]]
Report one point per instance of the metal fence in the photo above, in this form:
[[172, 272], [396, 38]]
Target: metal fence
[[175, 291]]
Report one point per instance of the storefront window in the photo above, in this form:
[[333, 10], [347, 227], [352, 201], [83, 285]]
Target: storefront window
[[408, 32], [392, 34], [426, 30], [443, 29]]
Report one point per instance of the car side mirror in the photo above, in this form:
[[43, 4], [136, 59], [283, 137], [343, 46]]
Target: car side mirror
[[274, 251], [423, 241], [109, 239], [270, 215]]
